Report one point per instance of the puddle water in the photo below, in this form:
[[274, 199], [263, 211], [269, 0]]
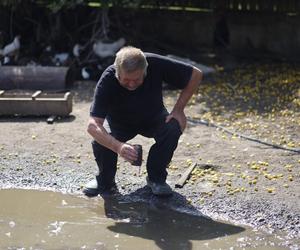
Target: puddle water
[[48, 220]]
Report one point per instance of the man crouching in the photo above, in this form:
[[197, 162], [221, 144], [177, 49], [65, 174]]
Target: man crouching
[[128, 101]]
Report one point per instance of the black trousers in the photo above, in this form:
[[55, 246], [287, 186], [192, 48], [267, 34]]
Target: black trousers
[[166, 136]]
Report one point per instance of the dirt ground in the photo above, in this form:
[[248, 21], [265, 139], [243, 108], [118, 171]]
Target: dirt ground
[[250, 182]]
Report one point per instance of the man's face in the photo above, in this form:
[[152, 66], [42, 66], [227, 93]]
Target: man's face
[[131, 80]]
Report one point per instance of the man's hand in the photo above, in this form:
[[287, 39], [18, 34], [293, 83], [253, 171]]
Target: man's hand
[[128, 152], [180, 117]]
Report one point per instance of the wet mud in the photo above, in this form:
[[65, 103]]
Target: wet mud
[[33, 219]]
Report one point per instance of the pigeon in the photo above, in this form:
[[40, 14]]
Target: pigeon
[[85, 74], [12, 48], [103, 50], [77, 50], [6, 60], [60, 59], [48, 48]]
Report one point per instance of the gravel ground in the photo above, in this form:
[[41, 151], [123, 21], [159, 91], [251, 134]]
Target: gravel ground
[[249, 183]]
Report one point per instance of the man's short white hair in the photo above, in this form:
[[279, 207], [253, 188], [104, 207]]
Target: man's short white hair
[[130, 59]]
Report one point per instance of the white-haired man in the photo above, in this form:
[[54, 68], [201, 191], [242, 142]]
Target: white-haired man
[[129, 98]]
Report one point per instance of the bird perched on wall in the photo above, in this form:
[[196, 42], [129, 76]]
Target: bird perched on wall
[[10, 52], [91, 72], [12, 49], [103, 50]]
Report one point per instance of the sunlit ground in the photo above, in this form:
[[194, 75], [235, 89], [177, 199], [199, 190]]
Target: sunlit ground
[[259, 100]]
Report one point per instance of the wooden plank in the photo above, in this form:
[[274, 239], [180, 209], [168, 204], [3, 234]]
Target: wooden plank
[[180, 183]]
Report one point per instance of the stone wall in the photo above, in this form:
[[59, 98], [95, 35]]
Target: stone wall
[[274, 33]]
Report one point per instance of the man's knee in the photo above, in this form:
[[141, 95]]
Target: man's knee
[[173, 131], [97, 147]]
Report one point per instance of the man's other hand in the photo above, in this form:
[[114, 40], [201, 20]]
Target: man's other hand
[[180, 117]]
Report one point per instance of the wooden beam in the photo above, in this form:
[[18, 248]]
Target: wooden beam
[[185, 176], [180, 183]]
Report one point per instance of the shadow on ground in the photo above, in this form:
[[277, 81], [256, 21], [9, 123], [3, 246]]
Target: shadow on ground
[[31, 118], [156, 219]]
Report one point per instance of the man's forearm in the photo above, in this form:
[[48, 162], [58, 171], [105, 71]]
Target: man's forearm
[[99, 133]]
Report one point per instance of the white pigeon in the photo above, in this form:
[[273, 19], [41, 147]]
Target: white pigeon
[[48, 48], [108, 49], [85, 75], [77, 49], [12, 48], [6, 60], [60, 58]]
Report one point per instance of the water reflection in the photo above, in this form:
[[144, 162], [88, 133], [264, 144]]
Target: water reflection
[[48, 220]]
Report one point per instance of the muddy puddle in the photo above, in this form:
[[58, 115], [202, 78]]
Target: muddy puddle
[[48, 220]]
